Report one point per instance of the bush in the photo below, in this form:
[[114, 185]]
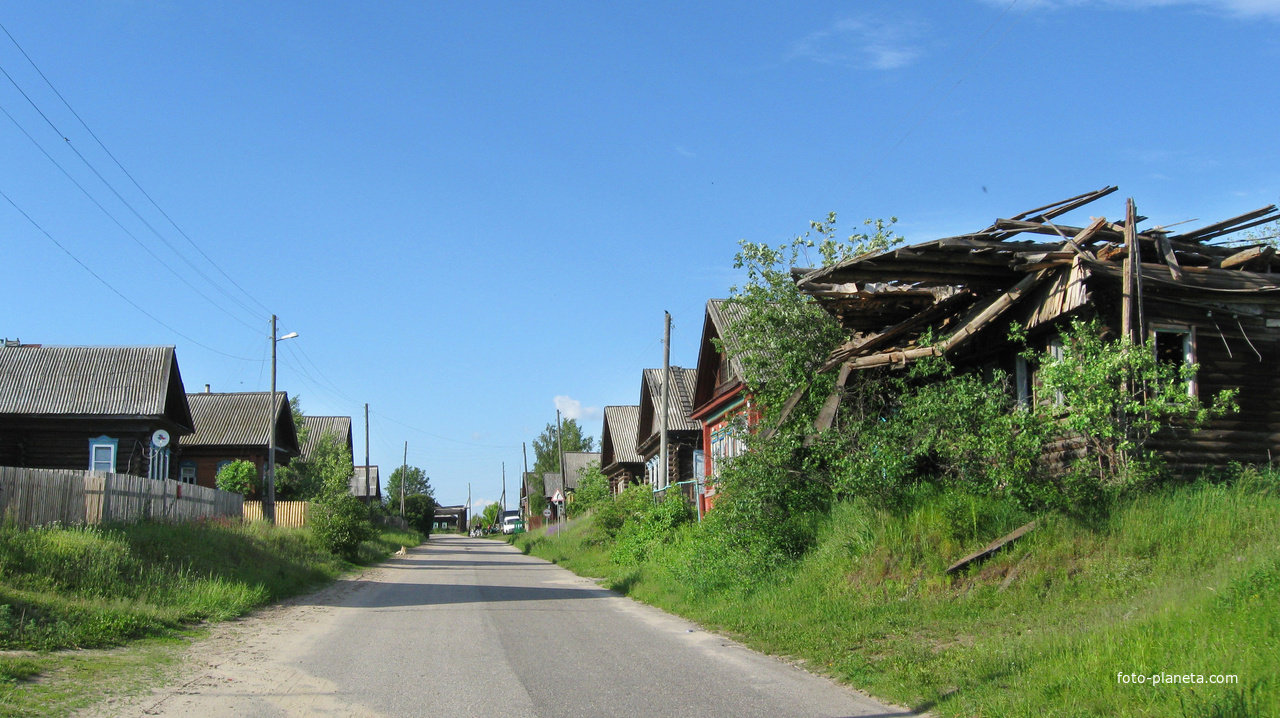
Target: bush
[[340, 523], [238, 477], [592, 492], [649, 525], [420, 512]]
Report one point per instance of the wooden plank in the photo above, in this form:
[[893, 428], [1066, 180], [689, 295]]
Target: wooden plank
[[1218, 227], [991, 547], [1245, 256], [1171, 259], [787, 408], [867, 345], [993, 310], [827, 415]]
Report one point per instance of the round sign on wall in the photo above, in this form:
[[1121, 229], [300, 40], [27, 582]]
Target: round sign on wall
[[160, 438]]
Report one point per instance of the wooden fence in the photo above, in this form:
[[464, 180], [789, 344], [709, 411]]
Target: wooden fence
[[34, 497], [288, 513]]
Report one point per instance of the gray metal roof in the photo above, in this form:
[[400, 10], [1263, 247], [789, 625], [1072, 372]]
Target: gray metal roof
[[551, 483], [681, 399], [241, 419], [724, 314], [357, 482], [318, 426], [575, 462], [93, 381], [618, 438]]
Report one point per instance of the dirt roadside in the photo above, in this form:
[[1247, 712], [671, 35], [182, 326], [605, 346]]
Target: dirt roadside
[[250, 656]]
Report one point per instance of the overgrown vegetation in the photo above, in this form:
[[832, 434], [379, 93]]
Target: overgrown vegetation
[[238, 477], [833, 546]]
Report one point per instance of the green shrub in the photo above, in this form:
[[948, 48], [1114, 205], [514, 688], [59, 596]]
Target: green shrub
[[238, 477], [340, 523], [650, 525], [592, 492], [420, 512]]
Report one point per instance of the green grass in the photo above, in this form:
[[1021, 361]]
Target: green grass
[[147, 586], [1180, 581]]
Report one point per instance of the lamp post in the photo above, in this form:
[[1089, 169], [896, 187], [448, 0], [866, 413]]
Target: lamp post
[[269, 501]]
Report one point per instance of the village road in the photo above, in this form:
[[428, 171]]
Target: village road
[[471, 627]]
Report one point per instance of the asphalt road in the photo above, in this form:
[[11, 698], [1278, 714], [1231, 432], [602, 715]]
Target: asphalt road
[[471, 627]]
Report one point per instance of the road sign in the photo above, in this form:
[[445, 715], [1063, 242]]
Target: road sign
[[546, 513], [558, 498]]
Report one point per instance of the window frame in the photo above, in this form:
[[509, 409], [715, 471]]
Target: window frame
[[1190, 351], [107, 442]]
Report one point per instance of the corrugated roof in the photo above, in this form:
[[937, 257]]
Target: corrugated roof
[[681, 398], [621, 424], [724, 314], [101, 381], [575, 462], [239, 419], [357, 482], [551, 483], [318, 426]]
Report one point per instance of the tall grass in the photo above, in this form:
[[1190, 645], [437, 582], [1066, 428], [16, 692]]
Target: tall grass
[[88, 587], [1179, 581]]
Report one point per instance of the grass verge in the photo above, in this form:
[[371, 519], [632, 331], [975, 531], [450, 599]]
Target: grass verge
[[134, 594], [1181, 581]]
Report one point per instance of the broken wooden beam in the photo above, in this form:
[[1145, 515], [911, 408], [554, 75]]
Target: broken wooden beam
[[1170, 258], [827, 415], [1245, 256], [992, 310], [991, 548], [1226, 224]]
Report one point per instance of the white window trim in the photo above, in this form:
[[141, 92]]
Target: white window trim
[[107, 442], [1189, 352]]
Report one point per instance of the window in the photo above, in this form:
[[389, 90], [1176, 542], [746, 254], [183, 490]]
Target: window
[[102, 454], [1022, 382], [1057, 354], [187, 472], [1175, 346]]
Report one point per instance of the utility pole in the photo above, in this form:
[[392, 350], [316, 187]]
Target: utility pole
[[467, 511], [504, 491], [269, 501], [563, 484], [663, 464], [524, 482], [404, 476], [367, 469]]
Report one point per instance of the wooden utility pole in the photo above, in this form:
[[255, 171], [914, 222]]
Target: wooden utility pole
[[524, 481], [663, 478], [404, 476], [564, 486], [1132, 317], [467, 511], [504, 491], [269, 500], [368, 470]]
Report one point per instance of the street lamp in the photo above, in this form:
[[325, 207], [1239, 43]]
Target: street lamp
[[269, 501]]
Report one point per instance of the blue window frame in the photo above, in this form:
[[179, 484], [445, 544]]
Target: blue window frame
[[102, 453], [187, 472]]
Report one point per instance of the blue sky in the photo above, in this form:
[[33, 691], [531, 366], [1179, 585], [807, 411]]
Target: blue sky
[[468, 210]]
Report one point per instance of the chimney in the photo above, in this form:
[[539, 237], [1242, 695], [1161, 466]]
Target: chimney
[[206, 388]]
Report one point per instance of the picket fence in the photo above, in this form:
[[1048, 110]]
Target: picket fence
[[35, 497], [288, 513]]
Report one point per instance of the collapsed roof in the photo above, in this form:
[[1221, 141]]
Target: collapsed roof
[[956, 286]]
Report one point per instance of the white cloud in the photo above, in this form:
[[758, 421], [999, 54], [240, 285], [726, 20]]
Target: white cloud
[[571, 408], [682, 151], [863, 43], [1234, 8]]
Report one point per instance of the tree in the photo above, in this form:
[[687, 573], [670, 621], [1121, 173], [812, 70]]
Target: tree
[[492, 515], [329, 468], [238, 477], [592, 491], [420, 512], [417, 483], [547, 452]]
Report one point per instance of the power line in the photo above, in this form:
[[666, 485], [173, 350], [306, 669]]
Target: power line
[[127, 173], [120, 197], [108, 285], [117, 222]]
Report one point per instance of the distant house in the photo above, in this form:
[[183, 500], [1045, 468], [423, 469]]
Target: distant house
[[91, 408], [619, 460], [317, 426], [720, 399], [234, 426], [684, 433], [367, 491], [450, 518]]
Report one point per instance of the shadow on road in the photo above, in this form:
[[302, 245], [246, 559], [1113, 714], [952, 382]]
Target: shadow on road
[[376, 594]]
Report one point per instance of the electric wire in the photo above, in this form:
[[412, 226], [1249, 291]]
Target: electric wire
[[117, 222], [108, 285], [127, 173], [120, 197]]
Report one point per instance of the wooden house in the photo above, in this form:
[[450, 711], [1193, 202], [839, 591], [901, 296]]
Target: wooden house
[[1199, 296], [233, 426], [684, 433], [721, 401], [619, 460], [91, 408], [318, 426]]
